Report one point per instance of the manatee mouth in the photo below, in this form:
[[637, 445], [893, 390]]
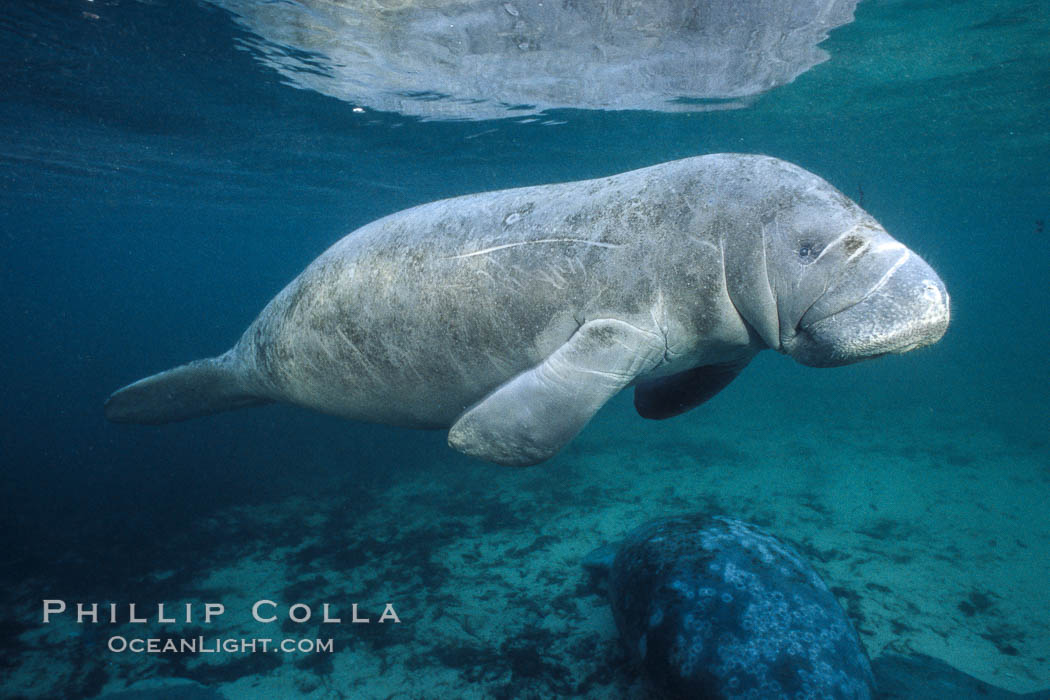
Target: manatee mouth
[[907, 308]]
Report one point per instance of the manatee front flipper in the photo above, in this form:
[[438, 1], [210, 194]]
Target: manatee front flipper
[[665, 397], [530, 417]]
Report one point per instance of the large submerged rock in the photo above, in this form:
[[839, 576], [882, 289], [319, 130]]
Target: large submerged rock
[[715, 608], [480, 59]]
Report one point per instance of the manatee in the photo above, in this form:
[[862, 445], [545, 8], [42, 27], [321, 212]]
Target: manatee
[[715, 608], [922, 677], [511, 317]]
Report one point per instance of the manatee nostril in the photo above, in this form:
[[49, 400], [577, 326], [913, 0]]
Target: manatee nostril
[[931, 292]]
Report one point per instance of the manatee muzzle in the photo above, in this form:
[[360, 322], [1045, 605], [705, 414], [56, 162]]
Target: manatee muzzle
[[894, 306]]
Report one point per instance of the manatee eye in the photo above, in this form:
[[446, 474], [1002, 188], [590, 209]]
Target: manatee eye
[[807, 253]]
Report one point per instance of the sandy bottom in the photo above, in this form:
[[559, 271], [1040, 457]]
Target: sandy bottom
[[932, 544]]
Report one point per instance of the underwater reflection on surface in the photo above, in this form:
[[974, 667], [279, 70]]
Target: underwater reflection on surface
[[480, 59]]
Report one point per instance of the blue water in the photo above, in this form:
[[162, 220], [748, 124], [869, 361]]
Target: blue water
[[159, 185]]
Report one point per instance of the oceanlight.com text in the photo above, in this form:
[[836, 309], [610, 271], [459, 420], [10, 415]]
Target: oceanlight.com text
[[229, 645]]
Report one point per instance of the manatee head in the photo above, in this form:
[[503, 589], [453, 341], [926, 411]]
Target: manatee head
[[817, 278]]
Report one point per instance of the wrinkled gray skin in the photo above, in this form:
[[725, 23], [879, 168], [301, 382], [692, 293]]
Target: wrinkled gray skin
[[513, 316]]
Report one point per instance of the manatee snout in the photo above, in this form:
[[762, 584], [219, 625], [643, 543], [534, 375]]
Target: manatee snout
[[900, 306]]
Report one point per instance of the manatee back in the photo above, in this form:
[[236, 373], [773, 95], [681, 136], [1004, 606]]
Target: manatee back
[[415, 317], [714, 607]]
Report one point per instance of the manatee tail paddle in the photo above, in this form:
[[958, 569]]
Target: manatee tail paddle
[[196, 389]]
